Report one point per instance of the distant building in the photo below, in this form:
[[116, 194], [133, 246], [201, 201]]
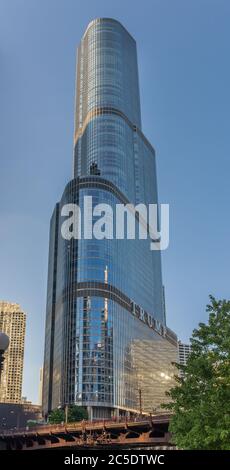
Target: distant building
[[183, 352], [24, 401], [17, 415], [13, 323]]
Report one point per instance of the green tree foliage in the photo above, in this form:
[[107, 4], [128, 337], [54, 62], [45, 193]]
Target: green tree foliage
[[201, 400], [75, 413], [56, 416]]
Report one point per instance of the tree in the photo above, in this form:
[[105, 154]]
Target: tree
[[75, 413], [201, 399], [56, 416]]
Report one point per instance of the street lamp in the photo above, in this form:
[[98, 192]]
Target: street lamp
[[4, 343]]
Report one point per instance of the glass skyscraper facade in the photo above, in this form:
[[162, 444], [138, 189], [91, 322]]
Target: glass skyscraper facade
[[105, 299]]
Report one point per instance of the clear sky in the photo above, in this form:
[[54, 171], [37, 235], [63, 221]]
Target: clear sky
[[184, 69]]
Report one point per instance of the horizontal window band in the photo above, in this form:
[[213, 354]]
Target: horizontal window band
[[107, 110], [91, 182], [107, 291]]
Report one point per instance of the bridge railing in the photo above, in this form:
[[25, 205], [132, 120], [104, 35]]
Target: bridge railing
[[81, 425]]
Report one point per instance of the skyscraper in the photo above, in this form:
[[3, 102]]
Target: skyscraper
[[105, 296], [183, 351], [13, 323]]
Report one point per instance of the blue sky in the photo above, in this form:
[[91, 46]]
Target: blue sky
[[184, 70]]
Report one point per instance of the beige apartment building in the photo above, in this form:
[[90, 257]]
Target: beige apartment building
[[13, 323]]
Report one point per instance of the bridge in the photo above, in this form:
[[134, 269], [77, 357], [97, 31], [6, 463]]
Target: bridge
[[149, 432]]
